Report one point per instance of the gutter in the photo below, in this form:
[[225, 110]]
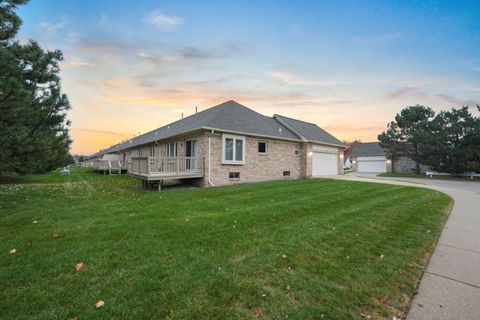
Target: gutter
[[209, 165]]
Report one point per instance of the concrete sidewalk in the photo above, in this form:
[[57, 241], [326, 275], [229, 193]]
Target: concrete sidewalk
[[450, 287]]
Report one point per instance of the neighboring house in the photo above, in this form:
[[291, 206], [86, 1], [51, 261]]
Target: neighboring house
[[371, 157], [230, 143], [108, 160]]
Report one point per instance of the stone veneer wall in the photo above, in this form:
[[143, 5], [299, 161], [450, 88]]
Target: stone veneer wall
[[280, 157]]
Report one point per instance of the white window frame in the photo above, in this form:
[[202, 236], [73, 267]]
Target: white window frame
[[266, 147], [234, 137], [167, 153]]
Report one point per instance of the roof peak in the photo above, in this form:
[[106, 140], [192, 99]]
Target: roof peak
[[279, 115]]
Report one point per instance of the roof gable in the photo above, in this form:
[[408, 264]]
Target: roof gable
[[309, 131], [367, 149]]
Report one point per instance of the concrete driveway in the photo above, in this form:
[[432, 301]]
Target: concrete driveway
[[450, 287]]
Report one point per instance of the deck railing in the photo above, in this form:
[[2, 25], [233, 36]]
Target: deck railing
[[109, 164], [166, 165]]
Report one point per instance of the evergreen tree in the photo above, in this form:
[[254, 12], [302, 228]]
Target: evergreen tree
[[453, 143], [32, 107], [405, 135]]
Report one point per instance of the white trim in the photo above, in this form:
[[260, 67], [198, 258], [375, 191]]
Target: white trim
[[209, 166], [234, 151], [168, 149]]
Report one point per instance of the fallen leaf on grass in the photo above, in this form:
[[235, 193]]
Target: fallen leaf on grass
[[13, 251], [284, 256], [381, 257], [365, 315], [289, 288], [258, 313], [99, 304], [79, 266]]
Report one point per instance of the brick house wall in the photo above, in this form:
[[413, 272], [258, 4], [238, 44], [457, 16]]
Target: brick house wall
[[280, 157]]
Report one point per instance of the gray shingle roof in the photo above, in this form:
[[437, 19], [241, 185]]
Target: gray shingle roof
[[230, 116], [310, 131], [367, 149]]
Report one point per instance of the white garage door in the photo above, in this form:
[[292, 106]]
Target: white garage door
[[371, 164], [324, 164]]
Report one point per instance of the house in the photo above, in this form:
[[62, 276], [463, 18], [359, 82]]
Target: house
[[106, 161], [371, 157], [227, 144]]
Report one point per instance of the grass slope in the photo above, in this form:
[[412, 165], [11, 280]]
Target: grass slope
[[297, 249]]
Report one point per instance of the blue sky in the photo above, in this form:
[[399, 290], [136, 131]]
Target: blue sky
[[348, 66]]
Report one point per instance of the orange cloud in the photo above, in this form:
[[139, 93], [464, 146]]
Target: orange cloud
[[87, 141], [366, 132]]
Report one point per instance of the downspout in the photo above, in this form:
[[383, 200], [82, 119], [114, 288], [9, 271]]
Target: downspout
[[209, 147]]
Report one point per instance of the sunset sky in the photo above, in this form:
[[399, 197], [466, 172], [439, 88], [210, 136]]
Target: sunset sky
[[348, 66]]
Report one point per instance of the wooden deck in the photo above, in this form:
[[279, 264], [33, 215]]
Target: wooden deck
[[166, 168], [110, 166]]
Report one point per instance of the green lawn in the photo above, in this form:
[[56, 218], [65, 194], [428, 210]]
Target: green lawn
[[423, 176], [297, 249]]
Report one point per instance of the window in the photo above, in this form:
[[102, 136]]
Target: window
[[233, 149], [234, 175], [286, 173], [262, 147], [172, 149], [152, 151], [190, 153], [297, 150], [190, 148]]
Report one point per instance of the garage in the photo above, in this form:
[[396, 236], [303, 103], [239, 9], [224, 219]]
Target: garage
[[324, 164], [375, 164]]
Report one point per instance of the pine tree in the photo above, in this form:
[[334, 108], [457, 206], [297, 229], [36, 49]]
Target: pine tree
[[453, 142], [405, 135], [33, 125]]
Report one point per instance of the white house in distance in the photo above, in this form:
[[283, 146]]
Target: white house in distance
[[371, 157]]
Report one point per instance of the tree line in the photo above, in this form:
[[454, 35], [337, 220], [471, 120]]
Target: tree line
[[448, 141]]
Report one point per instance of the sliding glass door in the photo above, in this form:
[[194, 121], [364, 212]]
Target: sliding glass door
[[191, 152]]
